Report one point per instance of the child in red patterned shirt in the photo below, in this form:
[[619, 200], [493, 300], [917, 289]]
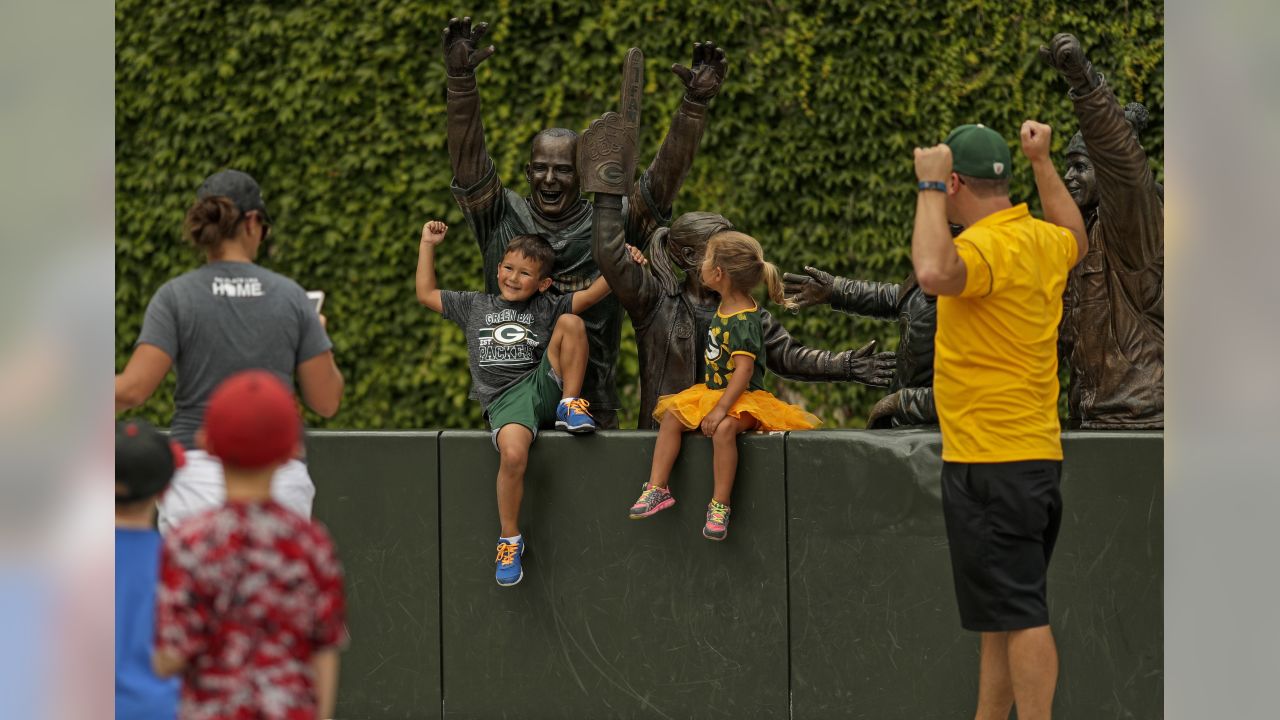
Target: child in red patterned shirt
[[250, 608]]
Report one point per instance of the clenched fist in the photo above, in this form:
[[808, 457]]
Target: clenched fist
[[433, 232], [1065, 56], [1035, 140], [933, 164]]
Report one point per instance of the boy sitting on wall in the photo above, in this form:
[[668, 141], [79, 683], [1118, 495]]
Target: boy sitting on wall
[[528, 355]]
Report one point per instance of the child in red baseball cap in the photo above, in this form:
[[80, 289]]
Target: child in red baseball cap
[[250, 608]]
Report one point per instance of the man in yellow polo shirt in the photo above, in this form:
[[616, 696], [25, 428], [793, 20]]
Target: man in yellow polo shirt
[[999, 286]]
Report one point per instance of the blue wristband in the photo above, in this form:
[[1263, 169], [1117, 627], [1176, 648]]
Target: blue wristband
[[931, 185]]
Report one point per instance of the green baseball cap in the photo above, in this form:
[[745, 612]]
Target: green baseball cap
[[980, 152]]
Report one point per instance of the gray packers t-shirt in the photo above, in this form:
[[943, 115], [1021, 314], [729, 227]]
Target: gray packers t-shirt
[[505, 340], [497, 214], [223, 318]]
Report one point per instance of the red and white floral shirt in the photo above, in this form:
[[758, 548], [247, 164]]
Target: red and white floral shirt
[[248, 592]]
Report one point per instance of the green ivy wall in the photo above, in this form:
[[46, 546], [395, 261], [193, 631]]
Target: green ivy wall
[[338, 108]]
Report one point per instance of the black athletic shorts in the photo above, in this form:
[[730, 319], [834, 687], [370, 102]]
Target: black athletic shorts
[[1002, 521]]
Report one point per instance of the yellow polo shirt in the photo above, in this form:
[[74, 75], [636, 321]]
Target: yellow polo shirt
[[995, 375]]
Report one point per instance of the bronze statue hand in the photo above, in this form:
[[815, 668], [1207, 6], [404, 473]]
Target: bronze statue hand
[[812, 288], [709, 68], [869, 367], [1065, 56], [460, 55], [882, 414]]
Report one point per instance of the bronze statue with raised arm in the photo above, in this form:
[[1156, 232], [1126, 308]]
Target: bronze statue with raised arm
[[555, 207], [1112, 331]]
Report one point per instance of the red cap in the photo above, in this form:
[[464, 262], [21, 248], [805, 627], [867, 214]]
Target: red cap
[[252, 421]]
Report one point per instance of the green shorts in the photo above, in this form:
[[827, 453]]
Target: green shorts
[[531, 402]]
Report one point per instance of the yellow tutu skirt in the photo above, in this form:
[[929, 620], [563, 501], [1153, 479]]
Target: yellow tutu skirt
[[692, 405]]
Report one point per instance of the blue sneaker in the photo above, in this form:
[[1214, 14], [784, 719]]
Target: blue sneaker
[[572, 416], [509, 571]]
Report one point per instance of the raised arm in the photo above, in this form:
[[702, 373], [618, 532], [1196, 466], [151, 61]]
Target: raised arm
[[606, 160], [855, 297], [939, 268], [467, 152], [660, 183], [635, 286], [428, 291], [1059, 207], [1129, 199]]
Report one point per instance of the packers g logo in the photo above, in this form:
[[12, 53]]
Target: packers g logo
[[713, 347], [509, 334]]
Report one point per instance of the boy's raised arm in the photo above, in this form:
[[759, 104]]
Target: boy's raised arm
[[584, 299], [433, 234]]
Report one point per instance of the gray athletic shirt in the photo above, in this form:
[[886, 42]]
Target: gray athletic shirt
[[225, 317], [505, 340]]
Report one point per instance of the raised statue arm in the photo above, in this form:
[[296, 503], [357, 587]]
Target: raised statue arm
[[660, 183], [467, 153], [606, 162], [1129, 199]]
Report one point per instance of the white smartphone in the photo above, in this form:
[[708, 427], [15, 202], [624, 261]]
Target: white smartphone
[[317, 297]]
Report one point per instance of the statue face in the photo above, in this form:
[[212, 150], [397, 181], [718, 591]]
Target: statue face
[[1081, 181], [552, 176]]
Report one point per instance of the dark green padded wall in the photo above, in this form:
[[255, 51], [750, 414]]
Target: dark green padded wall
[[831, 598], [1106, 583], [615, 618], [870, 579], [378, 493]]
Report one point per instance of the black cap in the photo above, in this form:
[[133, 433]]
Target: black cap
[[240, 187], [145, 461]]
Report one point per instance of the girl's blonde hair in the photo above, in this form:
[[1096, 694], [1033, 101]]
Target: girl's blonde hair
[[742, 259]]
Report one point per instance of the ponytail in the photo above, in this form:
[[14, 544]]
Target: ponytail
[[210, 222], [663, 267], [773, 283]]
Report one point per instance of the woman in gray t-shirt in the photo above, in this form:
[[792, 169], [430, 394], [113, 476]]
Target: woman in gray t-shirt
[[223, 317]]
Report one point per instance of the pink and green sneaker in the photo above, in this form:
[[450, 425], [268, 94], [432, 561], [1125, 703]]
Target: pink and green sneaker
[[717, 527], [654, 499]]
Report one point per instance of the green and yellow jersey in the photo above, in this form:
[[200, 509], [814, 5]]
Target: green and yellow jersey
[[728, 337]]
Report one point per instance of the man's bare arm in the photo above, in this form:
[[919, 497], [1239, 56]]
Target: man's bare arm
[[1059, 207], [939, 268]]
